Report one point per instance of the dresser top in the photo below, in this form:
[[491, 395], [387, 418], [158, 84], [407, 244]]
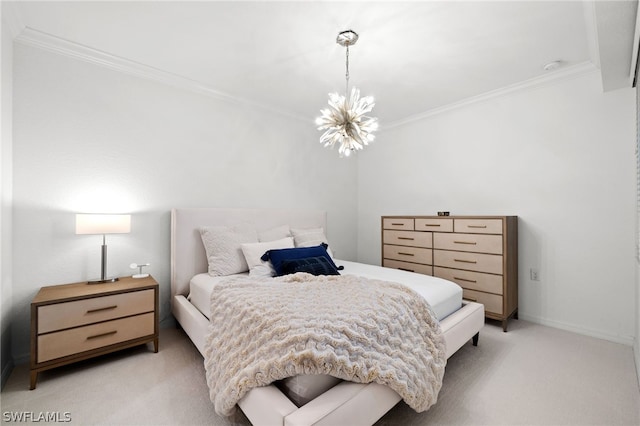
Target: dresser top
[[409, 216]]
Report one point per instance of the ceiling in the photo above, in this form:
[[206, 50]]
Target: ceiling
[[413, 57]]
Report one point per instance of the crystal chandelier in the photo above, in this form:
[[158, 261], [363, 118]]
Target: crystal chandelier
[[345, 121]]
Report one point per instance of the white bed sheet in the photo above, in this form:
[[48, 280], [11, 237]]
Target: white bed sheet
[[200, 288], [445, 297]]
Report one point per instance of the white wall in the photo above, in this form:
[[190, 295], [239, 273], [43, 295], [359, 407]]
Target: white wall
[[636, 346], [91, 139], [561, 157], [6, 297]]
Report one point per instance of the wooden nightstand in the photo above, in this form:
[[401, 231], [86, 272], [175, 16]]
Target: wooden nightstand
[[73, 322]]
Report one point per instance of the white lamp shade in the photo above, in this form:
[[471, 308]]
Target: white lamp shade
[[103, 223]]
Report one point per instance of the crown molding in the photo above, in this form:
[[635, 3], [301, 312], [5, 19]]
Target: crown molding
[[39, 39], [35, 38], [11, 18], [536, 82]]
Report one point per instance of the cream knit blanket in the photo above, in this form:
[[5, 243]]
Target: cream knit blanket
[[349, 327]]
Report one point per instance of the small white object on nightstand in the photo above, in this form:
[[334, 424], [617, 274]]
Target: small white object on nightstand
[[140, 266]]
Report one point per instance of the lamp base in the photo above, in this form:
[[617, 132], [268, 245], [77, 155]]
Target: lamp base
[[103, 281]]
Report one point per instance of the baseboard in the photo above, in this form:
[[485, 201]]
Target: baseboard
[[624, 340], [6, 372]]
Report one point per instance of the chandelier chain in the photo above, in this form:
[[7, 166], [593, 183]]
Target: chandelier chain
[[347, 74]]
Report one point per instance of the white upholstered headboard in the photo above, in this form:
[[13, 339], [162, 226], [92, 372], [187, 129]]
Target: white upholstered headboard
[[187, 252]]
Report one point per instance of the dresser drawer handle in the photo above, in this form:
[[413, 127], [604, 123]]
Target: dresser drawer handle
[[465, 261], [406, 269], [108, 333], [431, 224], [406, 238], [477, 226], [405, 254], [464, 279], [473, 243], [107, 308], [397, 224], [470, 299]]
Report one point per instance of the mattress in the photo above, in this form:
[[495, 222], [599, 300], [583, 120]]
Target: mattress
[[445, 297]]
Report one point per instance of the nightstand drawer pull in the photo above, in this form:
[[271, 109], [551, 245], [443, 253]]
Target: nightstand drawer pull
[[465, 279], [473, 243], [107, 308], [108, 333], [465, 261], [406, 238], [405, 254]]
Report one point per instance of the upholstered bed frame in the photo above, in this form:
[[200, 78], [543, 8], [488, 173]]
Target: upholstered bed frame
[[346, 403]]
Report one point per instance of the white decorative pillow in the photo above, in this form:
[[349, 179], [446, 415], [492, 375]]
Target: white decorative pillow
[[274, 234], [222, 245], [310, 237], [254, 251]]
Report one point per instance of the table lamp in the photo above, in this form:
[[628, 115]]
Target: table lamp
[[103, 224]]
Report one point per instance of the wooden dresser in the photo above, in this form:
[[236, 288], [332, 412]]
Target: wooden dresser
[[479, 253], [73, 322]]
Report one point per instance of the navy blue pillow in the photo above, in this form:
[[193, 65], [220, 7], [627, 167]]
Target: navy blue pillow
[[318, 265], [276, 256]]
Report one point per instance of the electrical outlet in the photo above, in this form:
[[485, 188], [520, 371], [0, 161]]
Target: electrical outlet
[[535, 274]]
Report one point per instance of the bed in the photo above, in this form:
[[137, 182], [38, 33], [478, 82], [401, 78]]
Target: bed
[[345, 403]]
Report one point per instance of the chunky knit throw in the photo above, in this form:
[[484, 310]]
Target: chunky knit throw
[[349, 327]]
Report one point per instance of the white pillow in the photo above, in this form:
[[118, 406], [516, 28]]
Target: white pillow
[[310, 237], [254, 251], [274, 234], [222, 245]]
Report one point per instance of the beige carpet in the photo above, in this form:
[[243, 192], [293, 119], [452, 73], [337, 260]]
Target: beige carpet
[[532, 375]]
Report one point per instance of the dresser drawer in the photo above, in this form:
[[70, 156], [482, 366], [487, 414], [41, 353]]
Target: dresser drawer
[[433, 224], [478, 226], [471, 280], [407, 254], [408, 238], [96, 309], [402, 223], [492, 302], [478, 243], [406, 266], [489, 263], [81, 339]]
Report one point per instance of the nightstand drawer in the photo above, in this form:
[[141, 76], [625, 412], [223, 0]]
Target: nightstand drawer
[[88, 311], [492, 303], [468, 242], [398, 223], [408, 238], [489, 263], [406, 266], [81, 339], [407, 254], [478, 226], [471, 280]]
